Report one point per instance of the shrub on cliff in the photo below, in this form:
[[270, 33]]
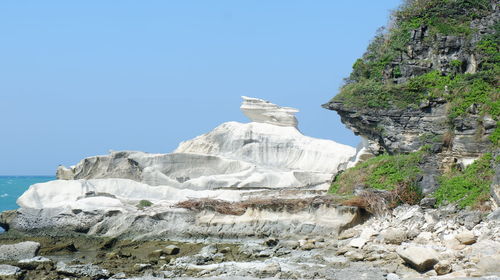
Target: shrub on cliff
[[467, 188], [383, 77], [394, 175]]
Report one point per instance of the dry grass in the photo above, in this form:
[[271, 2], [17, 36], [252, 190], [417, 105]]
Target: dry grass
[[379, 202], [374, 203], [448, 139], [273, 204]]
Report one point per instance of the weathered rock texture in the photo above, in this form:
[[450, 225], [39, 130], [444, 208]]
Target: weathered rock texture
[[456, 141], [19, 251], [262, 165], [259, 110], [407, 129]]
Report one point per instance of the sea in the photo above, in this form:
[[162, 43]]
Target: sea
[[12, 187]]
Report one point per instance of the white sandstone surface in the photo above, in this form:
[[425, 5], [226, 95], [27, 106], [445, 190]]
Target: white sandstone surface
[[228, 163], [262, 111], [110, 193]]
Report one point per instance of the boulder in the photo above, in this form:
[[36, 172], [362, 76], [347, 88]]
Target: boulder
[[171, 250], [420, 258], [19, 251], [394, 236], [442, 267], [428, 202], [364, 237], [423, 237], [469, 219], [208, 251], [358, 242], [466, 237], [86, 270], [9, 272]]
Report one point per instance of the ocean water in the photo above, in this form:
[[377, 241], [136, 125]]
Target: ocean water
[[12, 187]]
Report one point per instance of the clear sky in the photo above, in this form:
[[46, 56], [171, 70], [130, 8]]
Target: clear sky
[[78, 78]]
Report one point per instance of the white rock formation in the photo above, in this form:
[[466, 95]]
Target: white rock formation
[[256, 155], [270, 146], [266, 158], [262, 111], [110, 194]]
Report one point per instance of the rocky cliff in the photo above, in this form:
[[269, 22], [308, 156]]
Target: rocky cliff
[[430, 80]]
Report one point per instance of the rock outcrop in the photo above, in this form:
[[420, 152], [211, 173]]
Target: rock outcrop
[[397, 129], [232, 156], [129, 193], [19, 251], [262, 111], [427, 83]]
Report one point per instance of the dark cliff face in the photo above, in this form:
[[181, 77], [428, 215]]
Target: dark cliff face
[[407, 130], [425, 92]]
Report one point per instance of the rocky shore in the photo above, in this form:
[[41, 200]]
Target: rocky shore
[[409, 242]]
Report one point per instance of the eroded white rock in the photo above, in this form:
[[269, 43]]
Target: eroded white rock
[[262, 111]]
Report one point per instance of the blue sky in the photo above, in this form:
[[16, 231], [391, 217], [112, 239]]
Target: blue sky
[[78, 78]]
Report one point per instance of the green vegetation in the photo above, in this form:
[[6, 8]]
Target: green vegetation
[[374, 83], [373, 94], [396, 175], [495, 136], [384, 172], [449, 17], [394, 74], [144, 204], [467, 188]]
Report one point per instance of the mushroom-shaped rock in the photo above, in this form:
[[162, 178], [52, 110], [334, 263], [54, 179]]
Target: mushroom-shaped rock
[[259, 110]]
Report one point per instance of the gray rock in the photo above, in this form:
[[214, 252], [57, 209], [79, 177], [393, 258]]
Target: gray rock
[[208, 251], [394, 236], [494, 216], [9, 272], [420, 258], [19, 251], [466, 238], [86, 270], [470, 219], [34, 262], [442, 267], [251, 249], [171, 250], [428, 202]]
